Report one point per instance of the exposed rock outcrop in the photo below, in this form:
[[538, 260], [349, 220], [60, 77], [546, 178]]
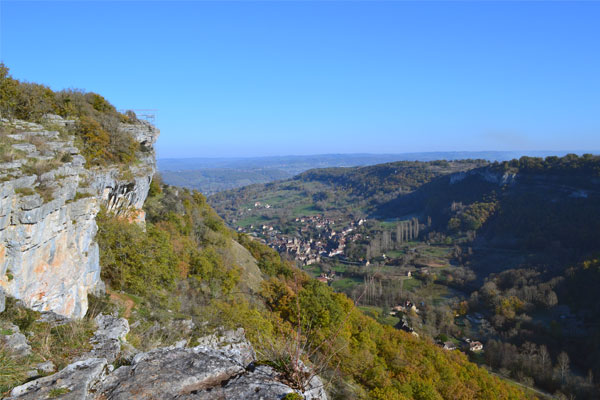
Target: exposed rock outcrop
[[75, 381], [485, 174], [12, 339], [107, 340], [221, 367], [48, 204], [2, 300]]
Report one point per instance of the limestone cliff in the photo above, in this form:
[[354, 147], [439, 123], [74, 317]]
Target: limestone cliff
[[48, 203]]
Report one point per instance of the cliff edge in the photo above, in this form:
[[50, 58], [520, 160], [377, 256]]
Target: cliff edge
[[48, 202]]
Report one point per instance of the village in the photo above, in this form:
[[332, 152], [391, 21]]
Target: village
[[316, 237]]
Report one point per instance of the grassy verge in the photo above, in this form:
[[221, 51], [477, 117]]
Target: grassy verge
[[60, 344]]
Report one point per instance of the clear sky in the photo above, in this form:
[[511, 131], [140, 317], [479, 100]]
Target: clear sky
[[279, 78]]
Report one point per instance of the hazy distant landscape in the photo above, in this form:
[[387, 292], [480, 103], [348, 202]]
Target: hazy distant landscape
[[212, 175]]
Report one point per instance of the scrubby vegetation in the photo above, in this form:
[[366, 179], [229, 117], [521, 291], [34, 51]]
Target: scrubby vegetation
[[96, 121], [59, 344]]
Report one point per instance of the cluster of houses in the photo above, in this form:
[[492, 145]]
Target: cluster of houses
[[467, 344], [407, 306], [326, 278], [258, 204], [317, 237]]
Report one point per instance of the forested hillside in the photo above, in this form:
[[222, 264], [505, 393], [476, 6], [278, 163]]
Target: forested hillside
[[504, 253], [354, 190]]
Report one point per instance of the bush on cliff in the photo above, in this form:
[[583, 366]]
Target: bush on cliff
[[133, 259], [183, 239]]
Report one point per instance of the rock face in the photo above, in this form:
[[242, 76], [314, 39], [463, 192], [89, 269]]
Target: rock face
[[13, 340], [221, 367], [108, 338], [48, 204], [485, 174], [75, 381]]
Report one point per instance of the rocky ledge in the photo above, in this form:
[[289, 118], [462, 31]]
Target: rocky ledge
[[222, 366], [48, 204]]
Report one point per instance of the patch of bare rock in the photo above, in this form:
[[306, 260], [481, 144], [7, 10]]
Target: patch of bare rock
[[222, 366]]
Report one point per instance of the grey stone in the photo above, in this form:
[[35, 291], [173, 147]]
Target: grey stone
[[215, 370], [2, 300], [111, 327], [52, 117], [77, 379], [11, 165], [30, 202], [53, 318], [46, 367], [26, 147], [168, 373], [57, 119], [15, 342], [32, 373], [211, 371], [260, 383], [16, 136], [232, 344], [221, 366], [107, 338]]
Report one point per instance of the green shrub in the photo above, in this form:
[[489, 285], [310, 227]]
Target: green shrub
[[293, 396], [56, 392], [25, 191], [141, 262], [97, 128]]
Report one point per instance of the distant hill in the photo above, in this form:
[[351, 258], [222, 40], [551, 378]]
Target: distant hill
[[550, 207], [350, 190], [211, 175]]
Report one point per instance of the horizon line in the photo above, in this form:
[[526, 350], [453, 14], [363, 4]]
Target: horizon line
[[579, 151]]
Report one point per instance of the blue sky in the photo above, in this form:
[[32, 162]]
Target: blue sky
[[278, 78]]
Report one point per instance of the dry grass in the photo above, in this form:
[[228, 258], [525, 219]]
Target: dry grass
[[39, 167], [45, 191], [25, 191], [63, 343], [7, 152], [60, 344], [12, 371], [40, 143]]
